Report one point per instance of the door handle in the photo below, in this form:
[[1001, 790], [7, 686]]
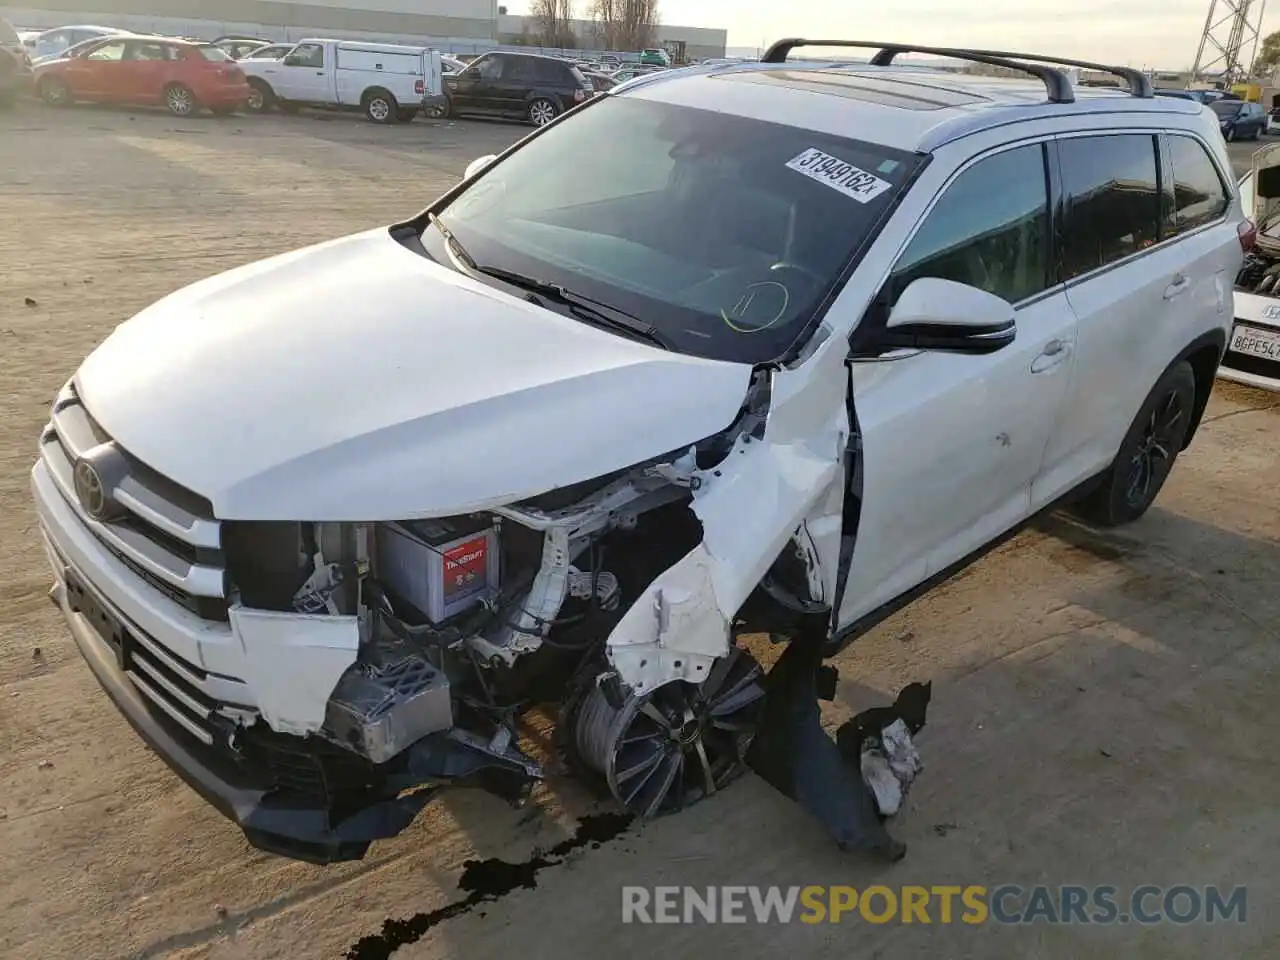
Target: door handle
[[1179, 286], [1054, 352]]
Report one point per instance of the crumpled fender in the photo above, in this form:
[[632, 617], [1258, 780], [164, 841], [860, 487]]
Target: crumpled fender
[[787, 484]]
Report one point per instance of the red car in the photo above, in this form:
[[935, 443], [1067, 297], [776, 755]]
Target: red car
[[181, 75]]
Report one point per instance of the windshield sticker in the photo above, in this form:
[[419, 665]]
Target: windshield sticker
[[838, 175]]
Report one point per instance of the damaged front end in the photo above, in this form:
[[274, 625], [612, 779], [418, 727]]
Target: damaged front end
[[386, 660]]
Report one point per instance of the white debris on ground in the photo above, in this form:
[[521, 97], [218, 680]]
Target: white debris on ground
[[890, 764]]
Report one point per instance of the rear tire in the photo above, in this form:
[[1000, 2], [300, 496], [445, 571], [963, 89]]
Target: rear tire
[[542, 111], [380, 106], [1147, 454], [180, 100], [54, 92]]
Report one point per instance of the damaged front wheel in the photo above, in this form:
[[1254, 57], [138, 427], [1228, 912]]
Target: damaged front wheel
[[663, 750]]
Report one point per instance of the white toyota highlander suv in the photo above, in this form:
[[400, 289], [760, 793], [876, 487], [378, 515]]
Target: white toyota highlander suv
[[801, 340]]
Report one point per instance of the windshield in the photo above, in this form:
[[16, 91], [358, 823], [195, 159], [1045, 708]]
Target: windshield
[[1226, 108], [723, 232]]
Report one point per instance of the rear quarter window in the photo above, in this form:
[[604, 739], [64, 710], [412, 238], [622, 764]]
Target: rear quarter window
[[1198, 192]]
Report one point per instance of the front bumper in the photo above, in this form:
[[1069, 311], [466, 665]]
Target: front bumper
[[1255, 311], [273, 818], [300, 797]]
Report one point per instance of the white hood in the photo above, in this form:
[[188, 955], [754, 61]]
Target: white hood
[[356, 380]]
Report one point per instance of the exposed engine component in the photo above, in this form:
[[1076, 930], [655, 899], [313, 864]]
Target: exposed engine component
[[389, 699], [662, 750]]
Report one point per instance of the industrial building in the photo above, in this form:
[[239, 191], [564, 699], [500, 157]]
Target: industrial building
[[458, 25]]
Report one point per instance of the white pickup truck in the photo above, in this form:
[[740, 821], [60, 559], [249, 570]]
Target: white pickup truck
[[388, 83]]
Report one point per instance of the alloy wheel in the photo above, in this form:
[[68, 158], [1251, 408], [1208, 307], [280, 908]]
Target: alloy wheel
[[673, 746], [1153, 458], [179, 100]]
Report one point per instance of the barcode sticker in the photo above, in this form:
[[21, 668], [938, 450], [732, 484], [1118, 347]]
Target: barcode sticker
[[839, 175]]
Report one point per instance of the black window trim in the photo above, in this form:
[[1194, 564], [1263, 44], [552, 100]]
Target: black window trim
[[1164, 242]]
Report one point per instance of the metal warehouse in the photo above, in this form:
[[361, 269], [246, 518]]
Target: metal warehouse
[[462, 25]]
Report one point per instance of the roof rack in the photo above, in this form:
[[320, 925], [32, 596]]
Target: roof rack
[[1139, 83], [1057, 84]]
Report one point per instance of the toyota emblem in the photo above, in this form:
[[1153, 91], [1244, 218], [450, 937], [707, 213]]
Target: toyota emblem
[[96, 476], [90, 490]]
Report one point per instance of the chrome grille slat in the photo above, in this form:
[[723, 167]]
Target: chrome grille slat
[[159, 699], [200, 710]]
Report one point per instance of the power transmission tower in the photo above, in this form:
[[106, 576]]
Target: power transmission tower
[[1230, 40]]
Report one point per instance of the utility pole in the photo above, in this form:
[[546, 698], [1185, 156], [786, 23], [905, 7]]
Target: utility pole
[[1230, 39]]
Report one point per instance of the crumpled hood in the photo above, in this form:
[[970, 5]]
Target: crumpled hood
[[356, 380]]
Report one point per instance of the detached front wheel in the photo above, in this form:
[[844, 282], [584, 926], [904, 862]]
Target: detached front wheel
[[664, 750], [1148, 451]]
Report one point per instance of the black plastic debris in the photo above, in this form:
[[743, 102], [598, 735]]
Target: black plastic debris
[[797, 758]]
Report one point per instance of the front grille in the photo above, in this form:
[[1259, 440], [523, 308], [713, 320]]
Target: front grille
[[169, 537]]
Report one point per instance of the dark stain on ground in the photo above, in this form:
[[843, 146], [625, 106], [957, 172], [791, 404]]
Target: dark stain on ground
[[486, 880]]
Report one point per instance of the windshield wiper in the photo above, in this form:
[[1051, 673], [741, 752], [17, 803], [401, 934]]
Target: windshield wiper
[[582, 307], [453, 241]]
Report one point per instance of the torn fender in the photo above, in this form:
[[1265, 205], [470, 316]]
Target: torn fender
[[295, 660], [767, 491]]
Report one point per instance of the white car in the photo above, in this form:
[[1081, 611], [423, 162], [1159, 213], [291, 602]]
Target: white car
[[1253, 352], [799, 343], [52, 43]]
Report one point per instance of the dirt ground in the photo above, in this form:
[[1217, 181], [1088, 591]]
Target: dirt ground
[[1103, 712]]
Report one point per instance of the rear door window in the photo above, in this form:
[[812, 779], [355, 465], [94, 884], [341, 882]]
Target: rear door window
[[1112, 194], [1198, 192]]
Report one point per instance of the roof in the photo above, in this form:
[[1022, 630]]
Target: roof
[[909, 107]]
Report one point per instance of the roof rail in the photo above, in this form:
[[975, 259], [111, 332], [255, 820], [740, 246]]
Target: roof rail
[[1057, 84], [1139, 83]]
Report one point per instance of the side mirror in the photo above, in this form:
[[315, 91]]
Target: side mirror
[[478, 164], [934, 314]]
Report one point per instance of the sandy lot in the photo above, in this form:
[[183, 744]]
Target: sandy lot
[[1103, 704]]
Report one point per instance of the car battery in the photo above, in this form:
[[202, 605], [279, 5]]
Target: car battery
[[440, 567]]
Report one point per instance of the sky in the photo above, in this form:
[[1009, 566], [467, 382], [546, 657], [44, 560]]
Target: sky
[[1163, 34]]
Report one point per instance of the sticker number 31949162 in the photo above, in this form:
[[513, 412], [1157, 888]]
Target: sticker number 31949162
[[838, 175]]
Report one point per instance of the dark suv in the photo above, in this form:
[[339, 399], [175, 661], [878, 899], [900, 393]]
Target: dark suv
[[524, 85], [15, 65]]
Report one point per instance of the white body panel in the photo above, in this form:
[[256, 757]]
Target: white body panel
[[431, 377]]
